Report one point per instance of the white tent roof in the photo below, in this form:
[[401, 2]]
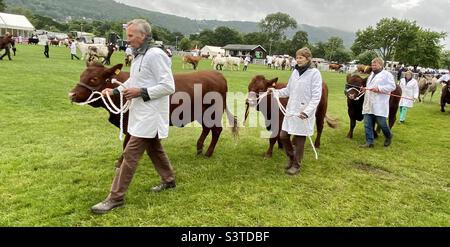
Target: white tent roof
[[216, 49], [15, 22]]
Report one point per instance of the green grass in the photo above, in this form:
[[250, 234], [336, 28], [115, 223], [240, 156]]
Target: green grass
[[56, 161]]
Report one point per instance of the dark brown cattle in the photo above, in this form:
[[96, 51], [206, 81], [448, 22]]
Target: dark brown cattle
[[54, 42], [128, 59], [445, 96], [354, 105], [366, 69], [335, 66], [258, 85], [191, 60], [97, 77], [5, 43]]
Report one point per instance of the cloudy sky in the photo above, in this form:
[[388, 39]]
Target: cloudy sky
[[349, 15]]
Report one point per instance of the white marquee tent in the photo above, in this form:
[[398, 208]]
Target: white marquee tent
[[211, 50], [17, 25]]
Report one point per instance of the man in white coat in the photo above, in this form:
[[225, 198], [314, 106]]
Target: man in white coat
[[376, 102], [410, 93], [444, 78], [149, 86], [73, 50], [304, 90]]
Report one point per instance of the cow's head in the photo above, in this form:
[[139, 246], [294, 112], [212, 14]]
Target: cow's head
[[94, 78], [258, 85], [353, 86]]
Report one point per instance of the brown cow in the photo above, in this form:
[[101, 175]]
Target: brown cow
[[335, 66], [97, 77], [427, 83], [54, 42], [366, 69], [192, 60], [6, 42], [258, 85], [355, 103]]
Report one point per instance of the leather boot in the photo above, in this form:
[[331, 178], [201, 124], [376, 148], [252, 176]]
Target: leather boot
[[106, 206]]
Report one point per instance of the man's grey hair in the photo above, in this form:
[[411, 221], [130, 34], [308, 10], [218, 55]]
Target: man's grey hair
[[379, 61], [142, 25]]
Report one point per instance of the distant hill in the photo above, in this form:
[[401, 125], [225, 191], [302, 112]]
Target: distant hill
[[63, 10]]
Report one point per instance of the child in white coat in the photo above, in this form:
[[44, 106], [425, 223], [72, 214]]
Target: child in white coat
[[410, 93]]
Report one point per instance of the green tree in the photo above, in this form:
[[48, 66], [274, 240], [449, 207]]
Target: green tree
[[162, 34], [366, 57], [176, 38], [332, 46], [256, 38], [445, 59], [342, 56], [226, 35], [185, 44], [207, 37], [299, 40], [424, 51], [2, 6], [384, 38], [318, 50], [275, 25], [400, 40]]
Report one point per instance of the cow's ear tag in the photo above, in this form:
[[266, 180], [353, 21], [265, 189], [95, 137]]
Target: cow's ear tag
[[117, 71], [273, 84]]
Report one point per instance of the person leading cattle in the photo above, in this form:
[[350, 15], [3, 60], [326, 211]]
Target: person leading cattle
[[149, 86], [410, 93], [380, 84], [304, 90]]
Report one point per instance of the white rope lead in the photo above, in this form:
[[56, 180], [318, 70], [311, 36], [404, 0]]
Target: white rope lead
[[286, 114], [111, 106]]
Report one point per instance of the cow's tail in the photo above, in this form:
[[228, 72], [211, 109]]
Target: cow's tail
[[232, 120], [332, 122]]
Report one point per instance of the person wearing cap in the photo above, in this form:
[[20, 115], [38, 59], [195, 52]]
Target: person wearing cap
[[380, 84], [410, 93], [304, 90]]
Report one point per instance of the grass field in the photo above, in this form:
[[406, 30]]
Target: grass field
[[56, 161]]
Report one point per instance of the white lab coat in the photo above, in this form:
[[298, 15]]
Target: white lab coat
[[410, 90], [378, 103], [73, 48], [247, 61], [304, 94], [445, 77], [153, 72]]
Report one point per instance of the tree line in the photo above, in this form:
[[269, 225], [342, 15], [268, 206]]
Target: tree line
[[392, 39]]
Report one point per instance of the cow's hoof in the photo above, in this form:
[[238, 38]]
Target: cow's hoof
[[208, 154], [267, 156]]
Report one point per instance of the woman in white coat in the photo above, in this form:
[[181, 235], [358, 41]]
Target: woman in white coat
[[304, 90], [410, 93]]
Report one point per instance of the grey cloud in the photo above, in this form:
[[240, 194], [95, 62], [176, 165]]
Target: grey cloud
[[349, 15]]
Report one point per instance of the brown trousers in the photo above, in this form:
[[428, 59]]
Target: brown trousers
[[295, 156], [133, 152]]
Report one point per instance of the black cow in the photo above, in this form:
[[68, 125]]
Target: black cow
[[355, 102], [445, 96]]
